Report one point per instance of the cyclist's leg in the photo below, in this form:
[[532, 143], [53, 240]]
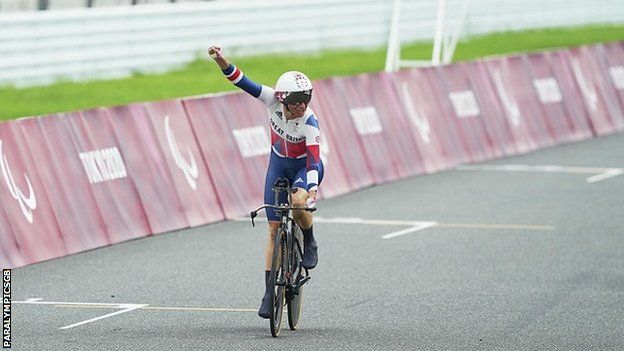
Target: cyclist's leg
[[298, 199], [268, 251], [304, 218], [265, 306], [300, 195]]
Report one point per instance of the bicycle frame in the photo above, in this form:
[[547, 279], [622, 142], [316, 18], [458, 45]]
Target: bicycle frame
[[284, 210]]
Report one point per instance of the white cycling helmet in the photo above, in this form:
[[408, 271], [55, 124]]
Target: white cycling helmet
[[293, 87]]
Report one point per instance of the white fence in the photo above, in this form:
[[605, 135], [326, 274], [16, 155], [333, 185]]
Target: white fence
[[35, 5], [40, 47]]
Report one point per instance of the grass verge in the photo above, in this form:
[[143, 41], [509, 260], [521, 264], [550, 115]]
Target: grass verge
[[200, 76]]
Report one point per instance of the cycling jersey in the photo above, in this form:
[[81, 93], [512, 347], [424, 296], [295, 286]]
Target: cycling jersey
[[297, 138]]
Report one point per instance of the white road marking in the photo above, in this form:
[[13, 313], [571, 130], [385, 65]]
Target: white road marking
[[208, 309], [420, 226], [346, 220], [37, 302], [30, 302], [127, 308], [533, 168], [173, 308], [356, 220], [601, 173], [496, 226], [349, 220], [386, 222], [603, 176], [131, 306]]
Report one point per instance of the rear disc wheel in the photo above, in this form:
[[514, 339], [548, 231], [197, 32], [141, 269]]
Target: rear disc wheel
[[295, 301]]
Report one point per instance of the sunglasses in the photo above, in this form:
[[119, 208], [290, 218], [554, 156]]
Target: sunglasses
[[298, 97]]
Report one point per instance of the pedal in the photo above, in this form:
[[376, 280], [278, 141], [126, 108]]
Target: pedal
[[294, 289], [304, 280]]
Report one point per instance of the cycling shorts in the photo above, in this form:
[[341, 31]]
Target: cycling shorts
[[293, 169]]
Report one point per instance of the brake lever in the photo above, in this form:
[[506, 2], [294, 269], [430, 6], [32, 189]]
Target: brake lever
[[253, 215]]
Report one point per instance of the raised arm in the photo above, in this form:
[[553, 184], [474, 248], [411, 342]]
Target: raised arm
[[237, 77]]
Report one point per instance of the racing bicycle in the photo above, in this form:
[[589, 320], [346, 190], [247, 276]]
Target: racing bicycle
[[287, 275]]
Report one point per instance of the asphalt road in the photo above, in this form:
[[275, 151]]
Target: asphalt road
[[517, 260]]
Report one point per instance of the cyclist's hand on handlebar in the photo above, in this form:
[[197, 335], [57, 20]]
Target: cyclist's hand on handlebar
[[311, 201], [215, 51]]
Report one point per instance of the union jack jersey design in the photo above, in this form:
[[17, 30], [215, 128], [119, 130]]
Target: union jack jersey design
[[296, 138]]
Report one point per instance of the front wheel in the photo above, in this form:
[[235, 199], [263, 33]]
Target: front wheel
[[296, 297], [278, 282]]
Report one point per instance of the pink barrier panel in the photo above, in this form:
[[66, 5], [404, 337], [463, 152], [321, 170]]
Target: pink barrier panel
[[147, 168], [334, 119], [383, 130], [428, 124], [528, 125], [335, 179], [106, 169], [464, 107], [191, 179], [232, 131], [58, 161], [25, 201], [594, 84], [614, 60], [10, 255], [496, 119], [572, 104], [500, 76], [564, 126]]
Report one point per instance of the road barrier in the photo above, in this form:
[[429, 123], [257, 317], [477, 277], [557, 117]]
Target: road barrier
[[184, 162], [497, 109], [426, 122], [34, 225], [77, 181], [343, 133], [53, 148], [233, 136], [597, 89], [381, 125]]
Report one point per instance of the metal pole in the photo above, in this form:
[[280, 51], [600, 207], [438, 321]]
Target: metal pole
[[450, 50], [437, 42], [393, 52]]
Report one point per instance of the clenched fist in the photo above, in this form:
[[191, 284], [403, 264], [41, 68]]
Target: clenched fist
[[215, 52]]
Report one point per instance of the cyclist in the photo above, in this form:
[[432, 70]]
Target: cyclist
[[295, 140]]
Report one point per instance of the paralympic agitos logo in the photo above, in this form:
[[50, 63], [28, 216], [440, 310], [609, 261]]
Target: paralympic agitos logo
[[189, 168], [26, 203]]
